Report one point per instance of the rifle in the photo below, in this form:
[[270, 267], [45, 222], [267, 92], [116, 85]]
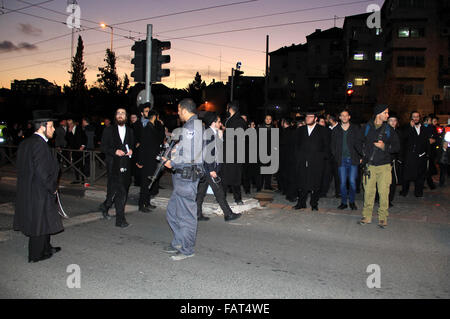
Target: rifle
[[166, 154], [365, 164]]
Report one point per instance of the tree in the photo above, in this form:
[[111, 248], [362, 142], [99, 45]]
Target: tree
[[195, 89], [125, 84], [78, 79], [108, 78]]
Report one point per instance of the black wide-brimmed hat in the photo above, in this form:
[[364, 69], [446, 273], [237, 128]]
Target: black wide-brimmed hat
[[40, 116]]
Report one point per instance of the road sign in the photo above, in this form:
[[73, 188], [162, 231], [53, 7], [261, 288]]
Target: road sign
[[349, 85]]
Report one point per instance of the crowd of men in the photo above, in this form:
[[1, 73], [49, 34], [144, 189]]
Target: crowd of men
[[313, 150]]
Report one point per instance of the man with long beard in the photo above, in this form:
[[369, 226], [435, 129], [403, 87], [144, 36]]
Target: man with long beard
[[36, 213], [118, 145]]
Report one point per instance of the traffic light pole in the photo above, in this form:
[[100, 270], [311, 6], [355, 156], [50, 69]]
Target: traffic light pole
[[148, 59]]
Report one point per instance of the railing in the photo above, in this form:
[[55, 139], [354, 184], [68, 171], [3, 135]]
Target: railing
[[97, 166]]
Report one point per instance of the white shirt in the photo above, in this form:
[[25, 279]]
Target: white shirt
[[310, 129], [418, 128], [332, 127], [122, 132], [42, 135]]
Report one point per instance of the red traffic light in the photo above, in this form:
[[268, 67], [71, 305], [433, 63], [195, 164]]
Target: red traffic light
[[350, 92]]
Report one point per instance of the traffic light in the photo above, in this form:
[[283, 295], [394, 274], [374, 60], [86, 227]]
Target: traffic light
[[158, 59], [140, 50], [349, 96]]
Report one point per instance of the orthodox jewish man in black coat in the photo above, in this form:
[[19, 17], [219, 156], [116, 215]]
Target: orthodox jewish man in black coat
[[36, 214], [118, 145], [312, 150]]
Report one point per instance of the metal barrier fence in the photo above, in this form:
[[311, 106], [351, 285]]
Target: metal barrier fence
[[89, 165]]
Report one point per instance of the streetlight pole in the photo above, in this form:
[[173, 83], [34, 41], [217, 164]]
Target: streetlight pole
[[103, 25]]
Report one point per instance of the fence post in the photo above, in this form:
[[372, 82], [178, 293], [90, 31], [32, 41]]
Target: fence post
[[92, 167]]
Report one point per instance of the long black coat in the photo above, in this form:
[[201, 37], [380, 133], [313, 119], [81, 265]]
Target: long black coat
[[37, 174], [151, 139], [311, 154], [111, 142], [232, 172], [415, 150]]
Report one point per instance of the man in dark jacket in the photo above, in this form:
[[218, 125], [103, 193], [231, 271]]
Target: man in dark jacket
[[415, 153], [36, 213], [212, 166], [312, 150], [346, 150], [379, 142], [76, 141], [265, 180], [118, 145], [152, 137], [232, 171]]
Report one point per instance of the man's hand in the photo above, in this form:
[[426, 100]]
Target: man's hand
[[432, 141], [411, 123], [220, 133], [379, 144], [120, 153], [167, 164], [139, 166], [130, 153], [213, 174]]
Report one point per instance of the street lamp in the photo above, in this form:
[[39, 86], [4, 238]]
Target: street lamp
[[103, 25]]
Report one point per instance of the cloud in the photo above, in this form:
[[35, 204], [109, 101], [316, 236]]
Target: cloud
[[28, 29], [6, 46]]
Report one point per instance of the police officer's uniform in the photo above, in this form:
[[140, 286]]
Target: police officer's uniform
[[187, 165]]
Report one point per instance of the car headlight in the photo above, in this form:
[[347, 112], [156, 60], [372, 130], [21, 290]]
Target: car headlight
[[447, 137], [2, 139]]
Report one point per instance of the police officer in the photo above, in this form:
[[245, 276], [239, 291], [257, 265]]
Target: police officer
[[186, 163]]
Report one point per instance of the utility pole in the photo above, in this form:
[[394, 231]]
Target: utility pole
[[148, 59], [266, 78], [232, 84]]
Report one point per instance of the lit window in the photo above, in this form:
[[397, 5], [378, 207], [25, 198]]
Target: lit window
[[378, 31], [403, 32], [378, 56], [317, 84], [358, 56], [360, 81]]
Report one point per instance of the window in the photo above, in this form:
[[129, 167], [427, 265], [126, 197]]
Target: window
[[403, 32], [411, 32], [358, 56], [411, 89], [411, 3], [411, 61], [360, 81], [447, 92], [378, 56], [316, 85]]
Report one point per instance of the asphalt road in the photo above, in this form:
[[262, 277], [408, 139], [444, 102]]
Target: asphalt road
[[266, 254]]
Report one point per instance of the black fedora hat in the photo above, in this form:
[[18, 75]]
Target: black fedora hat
[[40, 116]]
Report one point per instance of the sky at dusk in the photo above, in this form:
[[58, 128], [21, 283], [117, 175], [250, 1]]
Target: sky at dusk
[[27, 50]]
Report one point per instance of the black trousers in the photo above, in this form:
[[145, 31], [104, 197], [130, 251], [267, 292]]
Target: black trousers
[[218, 193], [443, 172], [38, 246], [120, 199], [249, 176], [303, 194], [237, 195], [264, 181], [109, 186], [145, 193], [331, 171]]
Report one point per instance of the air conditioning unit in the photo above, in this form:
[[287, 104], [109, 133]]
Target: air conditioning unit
[[445, 32]]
